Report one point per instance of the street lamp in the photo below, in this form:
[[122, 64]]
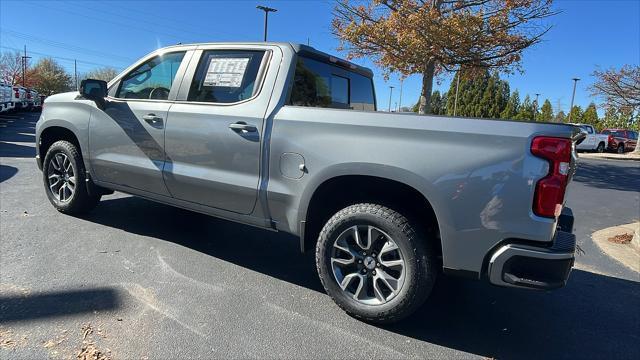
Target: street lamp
[[390, 92], [575, 82], [266, 10], [535, 109]]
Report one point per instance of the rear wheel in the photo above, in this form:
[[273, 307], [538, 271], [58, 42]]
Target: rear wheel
[[621, 149], [375, 263], [64, 179], [600, 148]]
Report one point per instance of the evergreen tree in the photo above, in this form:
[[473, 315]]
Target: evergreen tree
[[590, 115], [527, 110], [443, 102], [560, 117], [436, 103], [513, 106], [576, 114], [546, 112]]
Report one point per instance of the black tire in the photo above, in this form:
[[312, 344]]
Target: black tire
[[600, 148], [418, 253], [80, 201], [621, 149]]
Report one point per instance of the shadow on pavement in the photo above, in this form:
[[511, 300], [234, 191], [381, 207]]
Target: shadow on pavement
[[17, 135], [7, 172], [56, 304], [607, 176], [595, 316], [276, 254]]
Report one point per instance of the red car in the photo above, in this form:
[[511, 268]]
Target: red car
[[621, 140]]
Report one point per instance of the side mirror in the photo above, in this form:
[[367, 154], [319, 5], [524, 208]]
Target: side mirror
[[92, 89]]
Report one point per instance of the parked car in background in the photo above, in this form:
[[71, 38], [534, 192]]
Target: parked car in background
[[593, 141], [5, 98], [29, 98], [621, 140], [36, 102], [19, 97], [286, 138]]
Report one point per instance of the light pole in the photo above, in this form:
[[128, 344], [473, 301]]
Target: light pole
[[266, 10], [400, 100], [24, 65], [390, 93], [575, 82], [535, 108]]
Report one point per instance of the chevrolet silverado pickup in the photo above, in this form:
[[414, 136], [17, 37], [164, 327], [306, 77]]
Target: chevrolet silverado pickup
[[287, 138]]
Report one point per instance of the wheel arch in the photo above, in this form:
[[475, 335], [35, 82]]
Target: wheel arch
[[390, 185]]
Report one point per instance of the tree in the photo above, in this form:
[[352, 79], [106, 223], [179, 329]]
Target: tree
[[546, 112], [105, 73], [429, 37], [527, 110], [618, 87], [590, 115], [513, 106], [575, 116], [50, 78], [560, 117], [436, 103], [11, 67]]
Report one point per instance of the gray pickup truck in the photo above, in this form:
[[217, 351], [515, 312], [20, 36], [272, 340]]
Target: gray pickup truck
[[287, 138]]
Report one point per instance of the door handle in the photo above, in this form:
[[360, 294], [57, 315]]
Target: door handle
[[152, 119], [243, 127]]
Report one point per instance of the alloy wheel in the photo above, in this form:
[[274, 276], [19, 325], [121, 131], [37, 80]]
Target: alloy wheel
[[61, 177], [368, 265]]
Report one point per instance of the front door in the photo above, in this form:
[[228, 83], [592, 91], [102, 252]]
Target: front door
[[213, 133], [126, 137]]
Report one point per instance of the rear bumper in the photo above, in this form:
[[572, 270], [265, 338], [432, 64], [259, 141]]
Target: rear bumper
[[533, 267]]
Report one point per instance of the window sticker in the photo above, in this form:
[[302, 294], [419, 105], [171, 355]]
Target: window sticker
[[226, 72]]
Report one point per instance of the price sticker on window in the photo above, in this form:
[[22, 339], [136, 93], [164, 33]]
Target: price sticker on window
[[226, 72]]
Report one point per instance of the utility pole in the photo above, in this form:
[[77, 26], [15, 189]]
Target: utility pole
[[455, 103], [535, 109], [24, 65], [266, 10], [75, 72], [390, 93], [400, 100], [575, 82]]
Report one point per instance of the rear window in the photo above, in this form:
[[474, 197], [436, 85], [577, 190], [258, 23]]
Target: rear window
[[319, 84]]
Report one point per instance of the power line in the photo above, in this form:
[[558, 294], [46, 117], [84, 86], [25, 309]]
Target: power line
[[62, 45], [61, 58]]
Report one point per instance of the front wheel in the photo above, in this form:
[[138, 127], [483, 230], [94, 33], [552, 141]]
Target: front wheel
[[64, 179], [375, 263], [621, 149]]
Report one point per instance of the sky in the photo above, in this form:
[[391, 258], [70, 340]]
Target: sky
[[586, 35]]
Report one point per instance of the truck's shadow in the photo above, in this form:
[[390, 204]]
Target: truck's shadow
[[595, 316]]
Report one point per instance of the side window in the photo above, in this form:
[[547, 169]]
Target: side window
[[151, 80], [226, 76], [589, 129], [318, 84]]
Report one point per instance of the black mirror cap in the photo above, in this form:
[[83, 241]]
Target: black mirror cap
[[93, 89]]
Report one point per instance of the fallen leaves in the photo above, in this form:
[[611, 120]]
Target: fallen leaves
[[621, 239]]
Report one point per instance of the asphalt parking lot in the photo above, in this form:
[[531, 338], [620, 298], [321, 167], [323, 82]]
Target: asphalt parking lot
[[153, 281]]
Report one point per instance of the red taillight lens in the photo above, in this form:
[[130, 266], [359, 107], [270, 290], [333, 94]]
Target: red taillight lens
[[28, 96], [549, 195], [17, 94]]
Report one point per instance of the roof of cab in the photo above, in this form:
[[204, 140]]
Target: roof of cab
[[299, 49]]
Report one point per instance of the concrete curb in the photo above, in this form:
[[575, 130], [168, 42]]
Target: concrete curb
[[626, 254], [607, 156]]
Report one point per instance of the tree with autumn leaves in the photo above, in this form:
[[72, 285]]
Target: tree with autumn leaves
[[430, 37]]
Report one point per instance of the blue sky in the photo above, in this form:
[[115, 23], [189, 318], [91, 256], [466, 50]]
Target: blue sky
[[587, 34]]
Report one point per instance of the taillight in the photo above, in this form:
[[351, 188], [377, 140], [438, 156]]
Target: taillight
[[17, 93], [610, 139], [549, 194], [28, 95]]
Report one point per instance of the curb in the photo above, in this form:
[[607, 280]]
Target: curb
[[626, 254], [600, 156]]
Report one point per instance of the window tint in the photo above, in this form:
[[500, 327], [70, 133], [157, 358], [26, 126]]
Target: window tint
[[226, 76], [318, 84], [151, 80]]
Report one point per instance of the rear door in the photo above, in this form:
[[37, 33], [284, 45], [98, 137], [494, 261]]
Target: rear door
[[126, 138], [215, 128]]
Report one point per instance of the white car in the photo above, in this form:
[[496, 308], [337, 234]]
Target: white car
[[593, 141], [5, 98], [19, 97]]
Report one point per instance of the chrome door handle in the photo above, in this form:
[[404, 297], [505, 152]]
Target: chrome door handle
[[242, 126], [152, 119]]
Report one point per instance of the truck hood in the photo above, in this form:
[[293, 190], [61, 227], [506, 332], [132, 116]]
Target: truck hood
[[62, 97]]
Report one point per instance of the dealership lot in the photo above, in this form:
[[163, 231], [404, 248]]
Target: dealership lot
[[146, 280]]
